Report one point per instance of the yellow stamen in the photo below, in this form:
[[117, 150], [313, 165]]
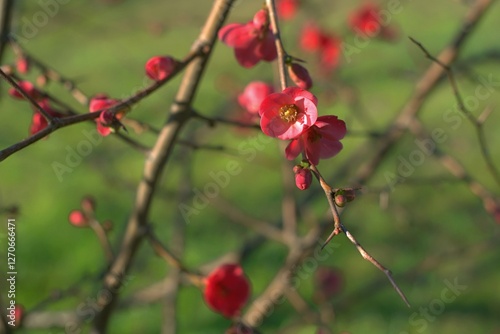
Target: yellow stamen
[[289, 113]]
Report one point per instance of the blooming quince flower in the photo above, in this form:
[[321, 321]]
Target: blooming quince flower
[[320, 141], [253, 95], [227, 290], [252, 42], [159, 68], [288, 114]]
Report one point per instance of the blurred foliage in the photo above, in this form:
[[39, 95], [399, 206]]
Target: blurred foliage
[[429, 234]]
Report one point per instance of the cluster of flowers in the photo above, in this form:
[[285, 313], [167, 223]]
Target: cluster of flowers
[[288, 115]]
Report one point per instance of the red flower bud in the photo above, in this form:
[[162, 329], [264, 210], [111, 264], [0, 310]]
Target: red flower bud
[[77, 218], [22, 65], [28, 88], [227, 290], [300, 76], [303, 177], [159, 68]]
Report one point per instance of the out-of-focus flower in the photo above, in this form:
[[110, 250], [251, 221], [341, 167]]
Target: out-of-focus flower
[[227, 289], [287, 8], [252, 42], [28, 88], [366, 20], [253, 95], [77, 218]]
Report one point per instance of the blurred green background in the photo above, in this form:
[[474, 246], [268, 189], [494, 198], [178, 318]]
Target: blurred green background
[[433, 229]]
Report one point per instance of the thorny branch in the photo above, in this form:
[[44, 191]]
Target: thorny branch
[[476, 122]]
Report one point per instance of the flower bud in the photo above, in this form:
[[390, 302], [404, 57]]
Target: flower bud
[[88, 204], [340, 200], [159, 68], [303, 177], [300, 76], [77, 218], [22, 65]]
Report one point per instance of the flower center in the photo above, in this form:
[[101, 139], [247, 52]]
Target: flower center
[[289, 113], [313, 135]]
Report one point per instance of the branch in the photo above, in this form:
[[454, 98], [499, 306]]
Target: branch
[[180, 113], [478, 125], [423, 88], [282, 55]]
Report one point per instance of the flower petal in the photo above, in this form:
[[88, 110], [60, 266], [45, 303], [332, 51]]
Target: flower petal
[[293, 149], [237, 35]]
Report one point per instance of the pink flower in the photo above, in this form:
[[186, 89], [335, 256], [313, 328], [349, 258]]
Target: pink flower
[[253, 95], [28, 88], [159, 68], [321, 141], [287, 8], [328, 46], [303, 177], [252, 42], [330, 52], [366, 21], [227, 289], [288, 114], [300, 76], [311, 37]]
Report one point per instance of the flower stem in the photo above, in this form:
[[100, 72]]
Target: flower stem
[[279, 45]]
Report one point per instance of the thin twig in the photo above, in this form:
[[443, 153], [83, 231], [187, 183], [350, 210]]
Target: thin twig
[[282, 55], [172, 260], [103, 239], [21, 91], [373, 261], [52, 74], [478, 125]]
